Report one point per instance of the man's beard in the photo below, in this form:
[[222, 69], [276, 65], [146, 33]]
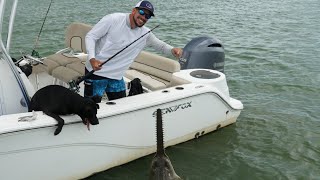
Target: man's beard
[[135, 22]]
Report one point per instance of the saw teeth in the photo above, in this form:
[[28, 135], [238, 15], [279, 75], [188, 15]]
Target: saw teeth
[[160, 132]]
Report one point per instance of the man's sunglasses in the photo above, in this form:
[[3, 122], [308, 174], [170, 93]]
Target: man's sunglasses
[[147, 16]]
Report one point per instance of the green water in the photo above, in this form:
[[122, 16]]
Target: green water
[[272, 65]]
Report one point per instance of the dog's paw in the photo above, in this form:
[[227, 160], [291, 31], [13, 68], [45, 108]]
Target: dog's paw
[[57, 131]]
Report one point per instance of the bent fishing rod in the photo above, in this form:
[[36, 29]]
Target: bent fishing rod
[[74, 84]]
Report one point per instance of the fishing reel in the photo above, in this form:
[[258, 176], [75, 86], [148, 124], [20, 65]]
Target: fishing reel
[[74, 85]]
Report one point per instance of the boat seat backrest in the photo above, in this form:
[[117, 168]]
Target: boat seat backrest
[[156, 65], [75, 36], [154, 71]]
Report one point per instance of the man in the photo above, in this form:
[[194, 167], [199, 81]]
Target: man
[[110, 35]]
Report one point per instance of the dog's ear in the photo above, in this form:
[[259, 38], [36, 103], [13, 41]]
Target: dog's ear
[[96, 99], [92, 103]]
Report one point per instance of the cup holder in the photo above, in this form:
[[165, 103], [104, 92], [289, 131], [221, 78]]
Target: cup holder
[[204, 74], [110, 103]]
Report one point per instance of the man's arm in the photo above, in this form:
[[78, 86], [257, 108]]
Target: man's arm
[[163, 47], [99, 30]]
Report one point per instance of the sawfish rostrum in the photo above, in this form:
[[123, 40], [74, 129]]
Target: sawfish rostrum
[[161, 167]]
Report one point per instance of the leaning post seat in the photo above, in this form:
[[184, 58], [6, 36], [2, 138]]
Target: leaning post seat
[[66, 65]]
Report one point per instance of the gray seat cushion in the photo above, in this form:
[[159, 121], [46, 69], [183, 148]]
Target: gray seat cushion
[[65, 74]]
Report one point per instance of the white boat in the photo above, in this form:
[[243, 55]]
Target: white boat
[[194, 102]]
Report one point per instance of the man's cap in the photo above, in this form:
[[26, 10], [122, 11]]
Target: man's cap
[[145, 5]]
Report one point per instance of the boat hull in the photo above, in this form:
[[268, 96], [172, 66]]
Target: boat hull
[[124, 134]]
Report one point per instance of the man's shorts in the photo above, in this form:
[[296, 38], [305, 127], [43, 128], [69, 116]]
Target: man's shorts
[[98, 87]]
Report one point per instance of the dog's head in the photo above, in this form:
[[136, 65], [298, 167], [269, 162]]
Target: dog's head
[[89, 112]]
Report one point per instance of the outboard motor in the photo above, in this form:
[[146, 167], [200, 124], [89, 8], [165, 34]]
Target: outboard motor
[[203, 52]]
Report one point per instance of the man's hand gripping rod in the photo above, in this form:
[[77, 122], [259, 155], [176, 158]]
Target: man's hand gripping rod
[[74, 84]]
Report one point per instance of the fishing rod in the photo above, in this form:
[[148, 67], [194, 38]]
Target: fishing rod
[[34, 52], [74, 85]]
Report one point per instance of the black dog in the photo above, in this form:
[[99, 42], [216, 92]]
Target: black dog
[[135, 87], [55, 100]]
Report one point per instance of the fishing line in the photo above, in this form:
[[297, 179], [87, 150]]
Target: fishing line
[[34, 52]]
